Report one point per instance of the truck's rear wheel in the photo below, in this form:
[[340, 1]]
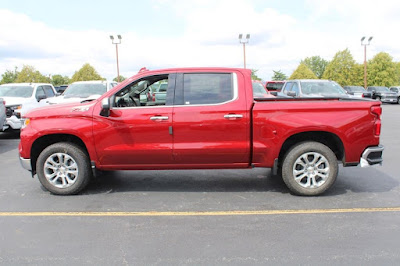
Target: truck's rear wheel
[[63, 168], [309, 168]]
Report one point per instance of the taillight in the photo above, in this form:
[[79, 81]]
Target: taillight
[[378, 126], [376, 110]]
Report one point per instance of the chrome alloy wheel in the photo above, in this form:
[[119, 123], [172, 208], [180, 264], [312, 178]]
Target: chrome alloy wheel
[[61, 170], [311, 170]]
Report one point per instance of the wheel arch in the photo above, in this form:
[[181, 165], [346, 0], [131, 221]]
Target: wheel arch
[[327, 138], [41, 143]]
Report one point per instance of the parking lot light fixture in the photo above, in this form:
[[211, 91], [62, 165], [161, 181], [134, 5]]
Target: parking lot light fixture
[[244, 41], [116, 42], [365, 43]]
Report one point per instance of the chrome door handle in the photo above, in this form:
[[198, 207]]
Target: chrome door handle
[[159, 118], [230, 116]]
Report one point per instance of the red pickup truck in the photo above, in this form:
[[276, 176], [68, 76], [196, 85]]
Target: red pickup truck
[[209, 120]]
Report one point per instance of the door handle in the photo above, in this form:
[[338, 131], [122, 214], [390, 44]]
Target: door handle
[[233, 116], [159, 118]]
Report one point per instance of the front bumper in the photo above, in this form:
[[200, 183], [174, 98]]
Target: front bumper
[[14, 122], [26, 163], [389, 99], [371, 156]]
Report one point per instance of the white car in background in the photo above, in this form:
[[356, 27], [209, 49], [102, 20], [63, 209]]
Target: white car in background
[[3, 125], [81, 91], [23, 97]]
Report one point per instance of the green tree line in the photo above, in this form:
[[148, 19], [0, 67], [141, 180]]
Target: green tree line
[[381, 70], [30, 74]]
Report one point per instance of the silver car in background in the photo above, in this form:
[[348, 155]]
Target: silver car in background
[[311, 88]]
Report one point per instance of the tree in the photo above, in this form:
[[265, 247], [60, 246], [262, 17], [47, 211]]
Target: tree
[[121, 78], [382, 70], [58, 80], [30, 74], [316, 64], [9, 76], [87, 72], [278, 75], [397, 73], [303, 72], [254, 74], [358, 75], [341, 69]]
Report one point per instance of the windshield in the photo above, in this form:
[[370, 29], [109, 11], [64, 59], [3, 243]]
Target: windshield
[[356, 89], [381, 89], [84, 90], [16, 91], [321, 88], [258, 88], [163, 87]]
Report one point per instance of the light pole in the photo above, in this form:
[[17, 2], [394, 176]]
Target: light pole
[[364, 43], [116, 42], [244, 41]]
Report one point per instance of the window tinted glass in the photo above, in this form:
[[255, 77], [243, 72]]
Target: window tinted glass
[[149, 91], [207, 88], [295, 88], [288, 87], [49, 91], [84, 90], [321, 88], [40, 92], [16, 91], [274, 86]]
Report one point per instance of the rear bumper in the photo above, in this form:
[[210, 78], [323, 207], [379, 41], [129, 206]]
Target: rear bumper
[[371, 156]]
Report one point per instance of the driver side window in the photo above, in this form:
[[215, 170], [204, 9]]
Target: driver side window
[[148, 91]]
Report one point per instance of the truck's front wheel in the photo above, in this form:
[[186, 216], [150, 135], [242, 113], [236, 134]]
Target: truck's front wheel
[[309, 168], [63, 168]]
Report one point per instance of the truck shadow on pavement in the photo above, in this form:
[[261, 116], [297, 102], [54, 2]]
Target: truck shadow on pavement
[[256, 180]]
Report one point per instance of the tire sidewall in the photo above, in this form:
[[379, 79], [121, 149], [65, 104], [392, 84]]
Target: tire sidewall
[[291, 157], [81, 159]]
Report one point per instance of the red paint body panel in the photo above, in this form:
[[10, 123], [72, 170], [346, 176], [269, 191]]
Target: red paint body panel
[[275, 122], [200, 136]]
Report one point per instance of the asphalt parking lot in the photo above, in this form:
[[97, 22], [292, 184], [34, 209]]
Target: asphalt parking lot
[[204, 217]]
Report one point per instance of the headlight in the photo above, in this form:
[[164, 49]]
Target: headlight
[[25, 122], [15, 107]]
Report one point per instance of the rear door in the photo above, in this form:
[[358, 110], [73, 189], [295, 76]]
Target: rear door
[[211, 125]]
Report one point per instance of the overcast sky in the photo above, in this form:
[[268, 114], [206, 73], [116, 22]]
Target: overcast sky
[[58, 37]]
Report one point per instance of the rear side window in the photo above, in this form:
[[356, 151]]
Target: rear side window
[[207, 88]]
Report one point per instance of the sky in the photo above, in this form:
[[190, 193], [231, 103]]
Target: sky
[[59, 37]]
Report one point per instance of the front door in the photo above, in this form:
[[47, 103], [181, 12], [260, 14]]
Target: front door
[[137, 133]]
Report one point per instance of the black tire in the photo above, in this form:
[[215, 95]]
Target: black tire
[[312, 178], [398, 100], [63, 168]]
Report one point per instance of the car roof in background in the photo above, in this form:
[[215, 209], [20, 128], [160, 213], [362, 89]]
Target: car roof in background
[[93, 82], [25, 84]]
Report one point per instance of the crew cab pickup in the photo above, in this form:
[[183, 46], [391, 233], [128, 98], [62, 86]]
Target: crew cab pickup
[[23, 97], [209, 120]]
